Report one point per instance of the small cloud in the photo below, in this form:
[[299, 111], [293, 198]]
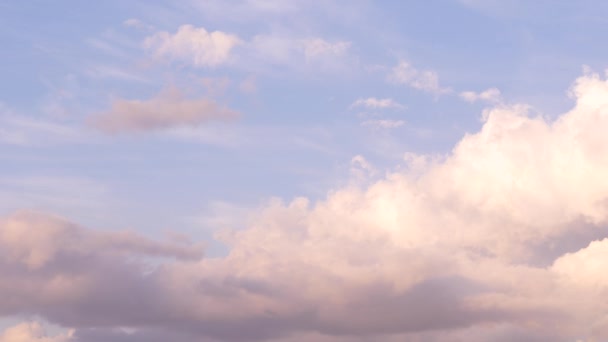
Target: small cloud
[[375, 103], [167, 109], [192, 45], [137, 24], [383, 124], [316, 47], [491, 95], [248, 85], [424, 80], [361, 169]]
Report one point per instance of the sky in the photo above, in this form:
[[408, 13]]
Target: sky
[[290, 171]]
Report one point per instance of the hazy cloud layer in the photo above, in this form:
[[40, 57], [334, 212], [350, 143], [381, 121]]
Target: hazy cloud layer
[[33, 332], [503, 239]]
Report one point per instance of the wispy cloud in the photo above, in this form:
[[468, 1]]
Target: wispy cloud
[[376, 103], [377, 124], [491, 95], [425, 80]]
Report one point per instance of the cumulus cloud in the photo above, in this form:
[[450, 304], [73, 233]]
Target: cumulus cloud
[[502, 239], [375, 103], [491, 95], [193, 45], [169, 108], [425, 80]]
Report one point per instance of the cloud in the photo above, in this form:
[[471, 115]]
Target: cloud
[[24, 130], [199, 48], [377, 124], [248, 85], [314, 48], [375, 103], [491, 95], [501, 239], [32, 332], [425, 80], [193, 45], [295, 52], [170, 108]]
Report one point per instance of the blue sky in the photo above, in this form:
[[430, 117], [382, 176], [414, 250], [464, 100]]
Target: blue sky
[[65, 62], [192, 117]]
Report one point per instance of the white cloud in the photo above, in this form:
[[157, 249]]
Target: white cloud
[[193, 45], [425, 80], [494, 241], [375, 103], [491, 95], [170, 108]]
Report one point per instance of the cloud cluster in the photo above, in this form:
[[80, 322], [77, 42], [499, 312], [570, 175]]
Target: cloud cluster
[[169, 108], [500, 240], [197, 47]]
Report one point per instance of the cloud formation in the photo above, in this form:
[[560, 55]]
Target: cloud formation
[[193, 45], [491, 95], [197, 47], [500, 240], [169, 108], [425, 80], [375, 103]]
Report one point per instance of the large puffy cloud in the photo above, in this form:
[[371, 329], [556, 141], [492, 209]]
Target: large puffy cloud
[[169, 108], [502, 239]]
